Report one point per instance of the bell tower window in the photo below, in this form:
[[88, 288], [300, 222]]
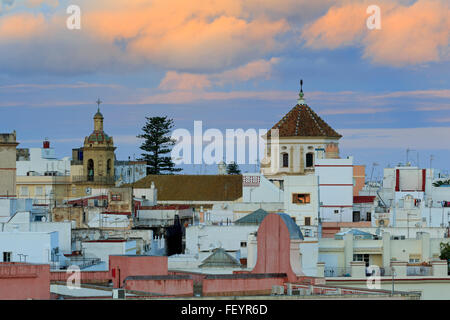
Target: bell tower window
[[309, 160], [285, 160], [90, 170]]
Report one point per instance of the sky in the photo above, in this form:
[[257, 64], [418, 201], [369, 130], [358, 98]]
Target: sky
[[230, 64]]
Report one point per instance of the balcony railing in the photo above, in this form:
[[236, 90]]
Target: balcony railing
[[94, 179], [84, 262], [418, 271], [337, 272]]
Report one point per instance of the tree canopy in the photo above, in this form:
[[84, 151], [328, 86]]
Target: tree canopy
[[445, 251], [233, 168], [157, 144]]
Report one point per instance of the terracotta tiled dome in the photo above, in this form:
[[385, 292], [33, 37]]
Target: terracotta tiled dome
[[302, 121]]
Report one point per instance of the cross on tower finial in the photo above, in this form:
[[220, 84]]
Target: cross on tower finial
[[98, 104]]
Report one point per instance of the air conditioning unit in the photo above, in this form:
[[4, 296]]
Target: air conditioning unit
[[277, 290], [118, 293]]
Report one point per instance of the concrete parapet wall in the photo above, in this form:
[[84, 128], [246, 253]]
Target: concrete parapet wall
[[162, 285], [241, 285], [21, 281]]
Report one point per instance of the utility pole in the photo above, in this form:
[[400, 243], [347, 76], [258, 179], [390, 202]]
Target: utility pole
[[393, 274], [407, 221], [371, 175], [431, 195]]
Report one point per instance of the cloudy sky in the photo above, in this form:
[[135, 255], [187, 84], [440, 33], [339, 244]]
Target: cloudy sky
[[231, 64]]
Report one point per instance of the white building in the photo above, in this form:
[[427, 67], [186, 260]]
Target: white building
[[340, 252], [258, 189], [202, 239], [335, 189], [41, 162], [8, 207], [32, 247], [301, 202], [129, 171], [102, 249], [21, 222]]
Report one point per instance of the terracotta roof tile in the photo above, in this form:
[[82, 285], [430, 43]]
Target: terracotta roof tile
[[181, 187], [302, 121]]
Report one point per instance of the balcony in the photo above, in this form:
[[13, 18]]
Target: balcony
[[418, 270], [337, 272], [93, 179]]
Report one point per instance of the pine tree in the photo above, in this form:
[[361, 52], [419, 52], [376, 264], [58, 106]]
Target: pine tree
[[233, 168], [157, 145]]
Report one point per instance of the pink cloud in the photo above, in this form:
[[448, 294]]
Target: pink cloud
[[337, 111], [30, 25], [182, 34], [409, 34], [259, 69], [184, 81]]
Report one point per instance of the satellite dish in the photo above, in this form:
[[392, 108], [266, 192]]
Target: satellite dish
[[88, 190], [44, 219]]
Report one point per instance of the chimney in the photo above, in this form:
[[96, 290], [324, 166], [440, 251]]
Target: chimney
[[46, 144], [222, 168], [332, 151]]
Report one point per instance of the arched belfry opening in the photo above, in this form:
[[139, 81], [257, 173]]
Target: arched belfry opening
[[90, 170], [285, 159], [108, 167], [309, 160]]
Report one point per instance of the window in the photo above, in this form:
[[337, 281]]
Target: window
[[414, 258], [369, 216], [307, 221], [309, 160], [7, 256], [24, 191], [356, 216], [336, 211], [285, 160], [361, 257], [39, 191], [116, 197], [300, 198], [243, 244]]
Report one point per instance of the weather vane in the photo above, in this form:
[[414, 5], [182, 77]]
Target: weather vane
[[98, 104], [301, 100]]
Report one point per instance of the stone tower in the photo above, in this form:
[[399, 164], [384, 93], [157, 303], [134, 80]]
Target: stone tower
[[98, 155], [8, 146]]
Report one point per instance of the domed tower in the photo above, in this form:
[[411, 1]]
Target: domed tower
[[297, 140], [98, 154]]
